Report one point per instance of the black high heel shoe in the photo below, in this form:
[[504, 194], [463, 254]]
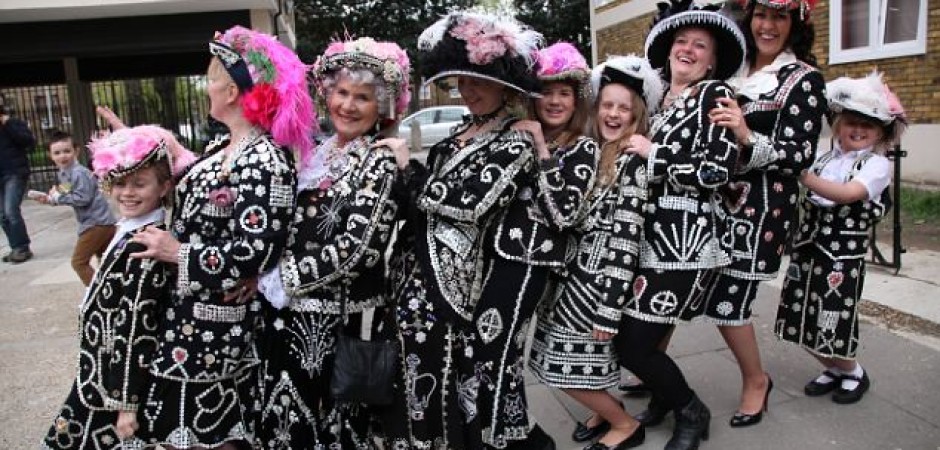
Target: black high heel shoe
[[740, 419]]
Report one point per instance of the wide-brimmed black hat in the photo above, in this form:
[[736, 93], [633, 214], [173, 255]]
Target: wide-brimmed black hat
[[678, 14], [491, 47]]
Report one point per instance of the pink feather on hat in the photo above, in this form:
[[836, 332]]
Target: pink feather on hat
[[286, 108], [127, 149]]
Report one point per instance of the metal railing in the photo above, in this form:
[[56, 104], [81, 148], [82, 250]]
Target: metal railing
[[178, 104]]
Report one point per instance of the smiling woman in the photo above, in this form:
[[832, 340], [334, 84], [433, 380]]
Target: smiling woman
[[688, 159], [332, 271]]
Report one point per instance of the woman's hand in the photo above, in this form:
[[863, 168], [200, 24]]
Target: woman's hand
[[242, 292], [638, 145], [399, 148], [126, 424], [602, 335], [161, 245], [113, 120], [728, 114], [535, 129]]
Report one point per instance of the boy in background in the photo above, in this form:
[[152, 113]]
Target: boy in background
[[78, 188]]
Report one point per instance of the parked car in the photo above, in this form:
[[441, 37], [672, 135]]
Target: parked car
[[435, 122]]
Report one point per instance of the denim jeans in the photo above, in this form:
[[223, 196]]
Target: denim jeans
[[12, 188]]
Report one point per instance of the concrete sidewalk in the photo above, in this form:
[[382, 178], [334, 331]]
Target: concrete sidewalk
[[38, 347]]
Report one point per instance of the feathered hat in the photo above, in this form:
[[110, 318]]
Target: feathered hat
[[127, 150], [273, 83], [496, 48], [677, 14], [633, 72], [561, 62], [869, 97], [386, 60], [805, 6]]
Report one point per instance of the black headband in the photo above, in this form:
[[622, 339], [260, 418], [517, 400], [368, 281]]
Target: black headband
[[612, 75], [234, 64]]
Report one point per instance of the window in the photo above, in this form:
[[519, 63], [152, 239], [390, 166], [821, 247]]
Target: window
[[425, 90], [454, 93], [876, 29], [425, 118], [451, 115]]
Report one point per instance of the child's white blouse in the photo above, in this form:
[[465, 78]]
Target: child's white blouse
[[875, 174]]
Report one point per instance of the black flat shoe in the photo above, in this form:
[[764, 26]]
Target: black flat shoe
[[653, 415], [845, 396], [584, 433], [741, 419], [816, 389], [635, 390], [635, 440]]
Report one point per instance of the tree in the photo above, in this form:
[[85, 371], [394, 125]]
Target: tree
[[559, 20], [399, 21]]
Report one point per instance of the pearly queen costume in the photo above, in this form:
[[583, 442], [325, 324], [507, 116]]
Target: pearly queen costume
[[823, 285], [689, 160], [783, 105], [332, 274], [454, 213], [593, 289], [121, 310], [532, 239], [232, 216]]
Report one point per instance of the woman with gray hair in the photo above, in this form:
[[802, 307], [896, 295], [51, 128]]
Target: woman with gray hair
[[333, 269]]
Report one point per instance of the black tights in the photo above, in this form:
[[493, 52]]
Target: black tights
[[637, 345]]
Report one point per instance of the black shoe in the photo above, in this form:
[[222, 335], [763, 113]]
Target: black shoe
[[635, 390], [537, 439], [653, 415], [584, 433], [741, 419], [6, 258], [692, 422], [846, 396], [635, 440], [816, 389], [19, 256]]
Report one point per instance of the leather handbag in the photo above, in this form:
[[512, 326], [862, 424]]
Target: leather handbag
[[364, 371]]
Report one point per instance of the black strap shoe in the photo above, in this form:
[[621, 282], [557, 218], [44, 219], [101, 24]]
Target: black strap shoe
[[846, 396], [816, 389]]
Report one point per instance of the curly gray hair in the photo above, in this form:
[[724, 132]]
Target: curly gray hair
[[360, 76]]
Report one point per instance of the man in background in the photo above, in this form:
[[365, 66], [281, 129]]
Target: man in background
[[15, 143]]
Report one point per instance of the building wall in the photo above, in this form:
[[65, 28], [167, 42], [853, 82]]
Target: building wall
[[915, 79]]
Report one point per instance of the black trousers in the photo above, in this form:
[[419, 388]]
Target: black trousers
[[637, 344]]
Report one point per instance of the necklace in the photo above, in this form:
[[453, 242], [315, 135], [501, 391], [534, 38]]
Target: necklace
[[228, 162], [481, 119]]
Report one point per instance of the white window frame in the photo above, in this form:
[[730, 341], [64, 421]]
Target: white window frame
[[876, 49]]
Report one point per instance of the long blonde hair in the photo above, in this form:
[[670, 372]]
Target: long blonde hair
[[610, 151]]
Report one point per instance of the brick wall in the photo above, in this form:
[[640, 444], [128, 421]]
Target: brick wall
[[624, 38], [915, 79]]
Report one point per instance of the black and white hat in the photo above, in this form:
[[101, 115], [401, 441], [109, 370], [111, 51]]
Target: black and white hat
[[492, 47], [678, 14], [631, 71], [869, 97]]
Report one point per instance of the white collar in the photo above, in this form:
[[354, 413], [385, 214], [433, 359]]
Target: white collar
[[853, 153], [763, 80], [126, 225]]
